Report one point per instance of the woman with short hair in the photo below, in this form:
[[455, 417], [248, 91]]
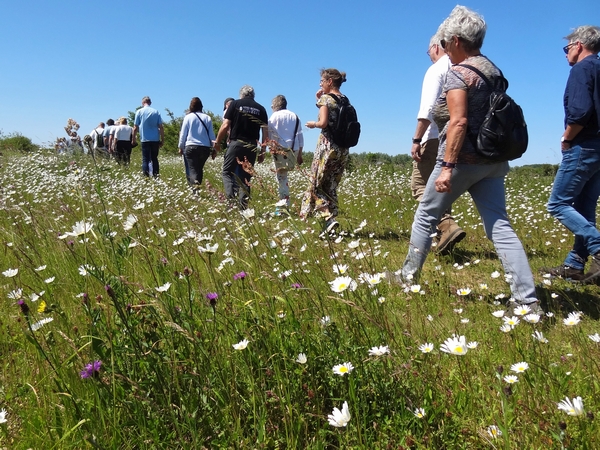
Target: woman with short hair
[[459, 113], [196, 141]]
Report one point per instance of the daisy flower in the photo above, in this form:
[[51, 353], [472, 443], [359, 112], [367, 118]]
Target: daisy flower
[[301, 359], [343, 369], [463, 291], [130, 222], [532, 318], [209, 249], [595, 337], [522, 310], [340, 269], [164, 288], [572, 407], [419, 413], [472, 345], [241, 345], [511, 379], [539, 336], [339, 418], [506, 328], [379, 351], [511, 321], [494, 431], [415, 288], [3, 416], [495, 274], [499, 313], [9, 273], [519, 367], [426, 348], [456, 345], [572, 319], [340, 284]]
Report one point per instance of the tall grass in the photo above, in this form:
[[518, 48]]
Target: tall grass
[[148, 313]]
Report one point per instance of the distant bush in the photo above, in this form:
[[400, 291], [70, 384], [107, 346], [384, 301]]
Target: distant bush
[[16, 142]]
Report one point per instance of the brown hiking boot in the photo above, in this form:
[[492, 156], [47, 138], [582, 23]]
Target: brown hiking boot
[[450, 235], [564, 271], [593, 276]]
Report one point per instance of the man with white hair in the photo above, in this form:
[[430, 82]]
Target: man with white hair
[[576, 187], [425, 142], [244, 120]]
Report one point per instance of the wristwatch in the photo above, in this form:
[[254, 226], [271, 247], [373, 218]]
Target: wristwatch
[[417, 140], [448, 164]]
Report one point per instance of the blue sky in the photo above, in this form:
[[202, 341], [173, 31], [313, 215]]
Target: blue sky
[[91, 61]]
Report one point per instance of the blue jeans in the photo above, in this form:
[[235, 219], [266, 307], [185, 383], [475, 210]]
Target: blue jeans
[[150, 155], [485, 183], [574, 198]]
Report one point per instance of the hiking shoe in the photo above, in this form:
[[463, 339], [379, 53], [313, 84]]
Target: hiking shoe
[[593, 276], [331, 225], [450, 235], [564, 271]]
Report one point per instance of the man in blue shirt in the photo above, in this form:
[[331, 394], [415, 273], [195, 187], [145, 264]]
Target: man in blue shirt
[[577, 184], [152, 135]]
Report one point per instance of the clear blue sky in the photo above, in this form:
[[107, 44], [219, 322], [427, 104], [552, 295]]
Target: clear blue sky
[[91, 61]]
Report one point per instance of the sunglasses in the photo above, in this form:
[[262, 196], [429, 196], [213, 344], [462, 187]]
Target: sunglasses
[[567, 47]]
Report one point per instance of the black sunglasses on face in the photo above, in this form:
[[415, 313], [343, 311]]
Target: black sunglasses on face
[[567, 47]]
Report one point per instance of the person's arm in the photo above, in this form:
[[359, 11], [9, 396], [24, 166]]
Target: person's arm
[[134, 134], [161, 130], [415, 150], [222, 133], [455, 135], [571, 131], [263, 145], [323, 120], [183, 135]]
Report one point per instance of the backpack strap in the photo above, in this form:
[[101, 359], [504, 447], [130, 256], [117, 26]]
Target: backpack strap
[[486, 79], [205, 127], [295, 131]]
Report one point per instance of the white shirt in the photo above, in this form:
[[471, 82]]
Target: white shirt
[[122, 132], [93, 134], [282, 124], [433, 82]]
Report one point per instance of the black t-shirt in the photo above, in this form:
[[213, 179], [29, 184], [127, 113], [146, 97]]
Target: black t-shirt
[[246, 116]]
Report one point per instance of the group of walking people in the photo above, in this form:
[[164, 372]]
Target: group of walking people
[[454, 102]]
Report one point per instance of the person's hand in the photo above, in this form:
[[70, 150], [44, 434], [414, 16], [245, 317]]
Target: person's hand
[[319, 93], [299, 159], [160, 143], [443, 183], [415, 152], [261, 157], [180, 152], [213, 153]]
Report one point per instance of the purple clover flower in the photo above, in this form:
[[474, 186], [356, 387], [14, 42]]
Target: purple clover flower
[[239, 276], [24, 307], [91, 370], [296, 285]]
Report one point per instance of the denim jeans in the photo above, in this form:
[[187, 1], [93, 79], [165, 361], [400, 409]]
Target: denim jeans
[[236, 181], [485, 183], [574, 198], [150, 155], [195, 157]]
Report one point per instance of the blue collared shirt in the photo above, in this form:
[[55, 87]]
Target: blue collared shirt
[[582, 97]]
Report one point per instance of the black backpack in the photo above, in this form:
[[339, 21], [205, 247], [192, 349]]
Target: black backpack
[[346, 130], [503, 134], [99, 139]]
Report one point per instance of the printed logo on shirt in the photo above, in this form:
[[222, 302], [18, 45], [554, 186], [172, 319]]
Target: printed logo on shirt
[[250, 110]]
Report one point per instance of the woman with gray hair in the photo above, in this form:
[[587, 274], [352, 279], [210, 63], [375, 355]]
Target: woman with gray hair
[[459, 113]]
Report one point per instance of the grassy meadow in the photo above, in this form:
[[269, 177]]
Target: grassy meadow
[[137, 315]]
